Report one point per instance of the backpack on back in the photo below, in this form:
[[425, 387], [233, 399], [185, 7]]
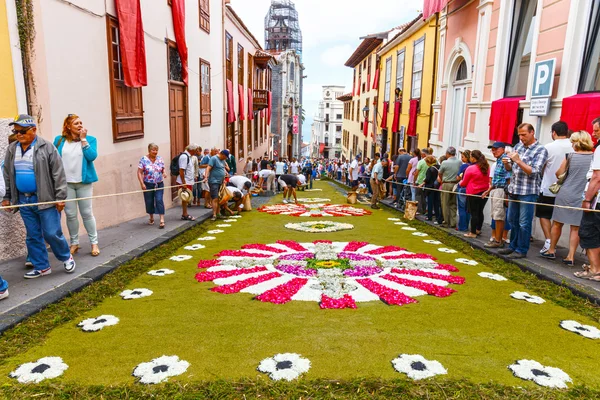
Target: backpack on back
[[175, 164]]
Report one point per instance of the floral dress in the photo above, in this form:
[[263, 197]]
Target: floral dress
[[153, 171]]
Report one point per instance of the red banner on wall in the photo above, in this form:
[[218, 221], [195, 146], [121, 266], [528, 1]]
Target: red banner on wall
[[295, 125], [241, 101], [412, 118], [178, 11], [397, 110], [230, 109], [131, 43], [366, 128], [431, 7], [250, 105], [376, 79], [384, 115]]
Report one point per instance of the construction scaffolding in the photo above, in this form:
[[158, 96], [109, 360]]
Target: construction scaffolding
[[282, 29]]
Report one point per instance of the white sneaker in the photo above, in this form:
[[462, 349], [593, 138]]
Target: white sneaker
[[4, 294], [69, 265], [546, 246], [285, 201]]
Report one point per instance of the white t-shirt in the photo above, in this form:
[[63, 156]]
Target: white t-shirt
[[279, 168], [186, 162], [354, 167], [72, 157], [238, 181], [294, 166], [265, 173], [301, 179], [556, 155]]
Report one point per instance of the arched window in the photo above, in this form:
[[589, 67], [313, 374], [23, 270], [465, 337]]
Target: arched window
[[461, 72], [292, 71]]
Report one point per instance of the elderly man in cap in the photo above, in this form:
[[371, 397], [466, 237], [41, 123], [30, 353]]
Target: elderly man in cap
[[187, 179], [215, 176], [33, 172], [499, 181]]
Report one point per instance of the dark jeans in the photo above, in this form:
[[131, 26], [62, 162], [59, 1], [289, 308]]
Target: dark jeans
[[339, 175], [154, 200], [475, 206], [433, 205], [463, 215], [421, 198], [520, 216]]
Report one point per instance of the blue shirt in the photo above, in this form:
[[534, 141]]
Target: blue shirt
[[501, 175], [217, 171], [24, 173]]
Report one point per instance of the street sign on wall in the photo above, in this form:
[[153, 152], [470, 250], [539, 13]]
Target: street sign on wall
[[541, 90], [295, 126]]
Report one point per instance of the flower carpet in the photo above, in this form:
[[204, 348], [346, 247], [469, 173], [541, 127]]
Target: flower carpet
[[257, 300]]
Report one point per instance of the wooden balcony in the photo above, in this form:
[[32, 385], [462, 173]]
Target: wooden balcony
[[261, 99]]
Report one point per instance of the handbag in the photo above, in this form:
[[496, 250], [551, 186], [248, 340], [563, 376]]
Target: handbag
[[555, 187]]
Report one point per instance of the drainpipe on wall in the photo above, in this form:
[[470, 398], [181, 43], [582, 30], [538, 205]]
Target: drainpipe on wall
[[435, 56]]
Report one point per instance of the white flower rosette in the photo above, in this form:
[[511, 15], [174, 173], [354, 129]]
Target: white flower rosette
[[160, 369], [409, 228], [99, 323], [310, 226], [527, 297], [286, 366], [161, 272], [466, 261], [180, 258], [206, 238], [223, 225], [195, 247], [588, 331], [531, 370], [447, 250], [420, 234], [42, 369], [417, 367], [309, 200], [394, 219], [215, 231], [429, 241], [494, 277], [230, 220], [135, 294]]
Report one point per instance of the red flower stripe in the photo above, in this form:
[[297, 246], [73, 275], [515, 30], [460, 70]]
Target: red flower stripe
[[237, 286], [353, 246], [241, 253], [385, 249], [447, 267], [344, 302], [323, 241], [292, 245], [283, 293], [430, 288], [263, 247], [411, 257], [459, 280], [388, 295], [208, 263], [211, 276]]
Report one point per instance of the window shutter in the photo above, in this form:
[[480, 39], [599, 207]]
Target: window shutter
[[205, 15]]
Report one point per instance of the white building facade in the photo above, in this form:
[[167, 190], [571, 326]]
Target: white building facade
[[328, 121]]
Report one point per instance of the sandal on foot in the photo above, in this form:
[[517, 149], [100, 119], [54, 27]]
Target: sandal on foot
[[151, 222], [470, 235], [593, 277], [187, 218], [161, 226], [74, 248], [95, 250], [585, 273]]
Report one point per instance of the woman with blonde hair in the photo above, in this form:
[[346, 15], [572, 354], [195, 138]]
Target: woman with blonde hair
[[78, 151], [151, 175], [576, 165]]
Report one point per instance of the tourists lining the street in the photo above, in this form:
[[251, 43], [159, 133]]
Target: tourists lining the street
[[151, 175], [476, 181]]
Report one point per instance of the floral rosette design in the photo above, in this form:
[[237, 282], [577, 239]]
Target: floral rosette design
[[286, 366], [319, 226], [96, 324], [314, 210], [588, 331], [417, 367], [531, 370], [494, 277], [160, 369], [42, 369], [334, 274]]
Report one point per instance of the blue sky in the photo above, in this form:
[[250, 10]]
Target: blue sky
[[331, 31]]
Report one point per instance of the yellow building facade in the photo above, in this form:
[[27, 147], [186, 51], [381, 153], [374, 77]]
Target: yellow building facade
[[8, 99], [407, 64]]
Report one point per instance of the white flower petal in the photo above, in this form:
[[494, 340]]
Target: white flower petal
[[195, 247], [206, 238], [540, 374], [447, 250], [394, 219], [420, 234], [527, 297], [223, 225], [215, 231], [286, 366], [428, 241], [161, 272], [418, 367], [409, 228], [44, 368], [160, 369], [180, 258], [466, 261], [401, 223], [588, 331], [135, 294], [96, 324], [494, 277]]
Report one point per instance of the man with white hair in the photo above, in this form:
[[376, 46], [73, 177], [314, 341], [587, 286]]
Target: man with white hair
[[186, 179]]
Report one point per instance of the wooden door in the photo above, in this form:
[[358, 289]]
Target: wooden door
[[177, 122]]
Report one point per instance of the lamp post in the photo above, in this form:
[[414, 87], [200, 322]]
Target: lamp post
[[365, 111]]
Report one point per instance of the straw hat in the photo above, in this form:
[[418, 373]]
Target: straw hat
[[185, 194]]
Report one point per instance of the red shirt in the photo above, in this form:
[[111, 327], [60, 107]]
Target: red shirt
[[475, 181]]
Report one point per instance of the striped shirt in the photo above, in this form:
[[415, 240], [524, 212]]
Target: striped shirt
[[24, 173], [535, 156]]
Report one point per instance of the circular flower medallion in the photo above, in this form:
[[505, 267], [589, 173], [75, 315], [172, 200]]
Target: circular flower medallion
[[180, 258], [544, 376], [286, 366], [161, 272], [335, 274], [135, 294], [466, 261], [319, 226], [195, 247], [206, 238], [96, 324], [160, 369], [417, 367], [44, 368], [588, 331], [215, 231], [309, 200], [315, 210], [527, 297], [494, 277]]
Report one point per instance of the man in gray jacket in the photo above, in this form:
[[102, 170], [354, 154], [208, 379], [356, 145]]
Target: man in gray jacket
[[33, 172]]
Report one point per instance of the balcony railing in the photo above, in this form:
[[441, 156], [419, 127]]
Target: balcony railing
[[261, 99]]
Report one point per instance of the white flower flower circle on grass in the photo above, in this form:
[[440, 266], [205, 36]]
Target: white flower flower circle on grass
[[319, 226], [180, 258], [206, 238], [409, 228], [135, 294], [446, 250], [96, 324], [420, 234], [588, 331], [466, 261], [394, 219], [544, 376], [230, 220], [44, 368], [428, 241], [235, 216], [417, 367], [195, 247], [494, 277], [527, 297], [223, 226], [159, 369], [400, 223], [215, 231], [286, 366], [161, 272]]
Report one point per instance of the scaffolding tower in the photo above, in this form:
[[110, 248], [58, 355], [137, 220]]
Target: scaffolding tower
[[282, 30]]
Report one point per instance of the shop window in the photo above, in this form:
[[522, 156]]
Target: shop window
[[521, 40], [590, 72], [417, 75]]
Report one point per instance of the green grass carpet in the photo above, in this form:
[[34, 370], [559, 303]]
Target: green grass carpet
[[475, 333]]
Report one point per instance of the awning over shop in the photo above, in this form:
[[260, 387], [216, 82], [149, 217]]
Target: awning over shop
[[503, 119], [230, 109], [413, 112], [431, 7], [580, 110]]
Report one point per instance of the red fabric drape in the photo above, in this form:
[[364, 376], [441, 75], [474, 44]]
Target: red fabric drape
[[376, 79], [368, 82], [270, 102], [241, 102], [178, 11], [396, 122], [412, 118], [503, 119], [250, 105], [230, 109], [366, 128], [321, 148], [132, 44], [384, 115], [580, 110], [431, 7]]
